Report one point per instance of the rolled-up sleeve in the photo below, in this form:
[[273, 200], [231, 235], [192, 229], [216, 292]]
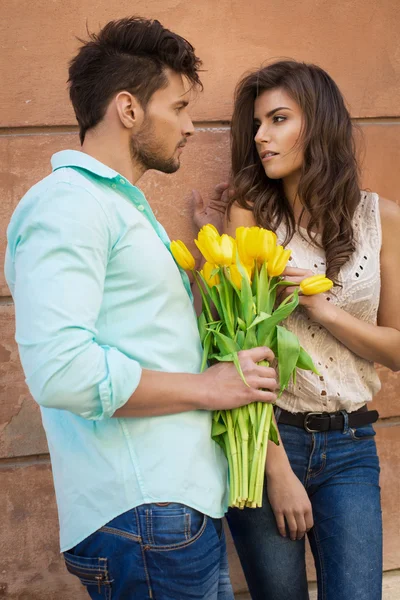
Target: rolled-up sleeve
[[60, 252]]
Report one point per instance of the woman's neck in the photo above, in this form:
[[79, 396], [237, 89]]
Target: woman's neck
[[291, 190]]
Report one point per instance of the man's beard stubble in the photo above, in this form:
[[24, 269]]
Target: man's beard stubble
[[146, 150]]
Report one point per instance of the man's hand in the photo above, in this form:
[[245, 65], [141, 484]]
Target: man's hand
[[225, 388], [290, 503], [212, 211]]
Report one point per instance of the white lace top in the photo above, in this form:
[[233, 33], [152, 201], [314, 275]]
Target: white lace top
[[346, 380]]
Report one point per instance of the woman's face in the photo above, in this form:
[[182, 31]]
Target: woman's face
[[278, 121]]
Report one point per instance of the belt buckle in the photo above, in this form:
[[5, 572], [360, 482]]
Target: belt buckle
[[311, 414]]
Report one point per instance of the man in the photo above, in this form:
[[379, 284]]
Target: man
[[108, 338]]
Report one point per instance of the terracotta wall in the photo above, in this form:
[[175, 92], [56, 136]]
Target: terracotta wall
[[357, 42]]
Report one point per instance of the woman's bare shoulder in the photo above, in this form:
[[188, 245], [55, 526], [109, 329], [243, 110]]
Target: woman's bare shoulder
[[390, 220], [238, 217]]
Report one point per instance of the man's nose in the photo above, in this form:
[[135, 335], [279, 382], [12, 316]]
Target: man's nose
[[188, 127]]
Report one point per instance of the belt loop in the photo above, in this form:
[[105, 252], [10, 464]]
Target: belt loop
[[277, 412], [346, 421]]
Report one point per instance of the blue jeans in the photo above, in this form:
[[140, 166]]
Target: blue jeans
[[340, 471], [155, 551]]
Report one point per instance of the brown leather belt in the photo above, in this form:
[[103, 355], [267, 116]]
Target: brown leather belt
[[314, 422]]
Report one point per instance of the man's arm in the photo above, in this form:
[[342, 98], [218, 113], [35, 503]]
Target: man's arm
[[60, 252], [219, 387], [60, 256]]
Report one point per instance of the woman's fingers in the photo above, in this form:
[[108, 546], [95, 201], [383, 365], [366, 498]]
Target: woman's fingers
[[290, 272], [292, 526], [280, 522]]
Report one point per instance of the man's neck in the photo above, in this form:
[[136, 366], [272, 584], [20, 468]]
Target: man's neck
[[113, 154]]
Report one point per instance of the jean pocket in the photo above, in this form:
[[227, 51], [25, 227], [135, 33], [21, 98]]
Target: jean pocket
[[92, 572], [173, 526], [366, 432]]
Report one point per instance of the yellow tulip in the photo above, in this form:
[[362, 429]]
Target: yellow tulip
[[242, 234], [207, 233], [202, 243], [217, 250], [317, 284], [277, 263], [267, 245], [236, 276], [182, 255], [228, 250], [206, 271], [255, 243], [209, 229]]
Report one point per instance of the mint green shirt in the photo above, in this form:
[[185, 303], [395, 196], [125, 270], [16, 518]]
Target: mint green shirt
[[98, 297]]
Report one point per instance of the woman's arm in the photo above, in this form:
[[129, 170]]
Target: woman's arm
[[377, 343]]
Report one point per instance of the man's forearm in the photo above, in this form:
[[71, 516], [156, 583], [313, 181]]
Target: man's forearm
[[161, 393], [218, 388]]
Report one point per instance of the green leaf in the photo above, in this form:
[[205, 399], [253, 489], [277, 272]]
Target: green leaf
[[288, 354], [306, 362], [202, 324], [241, 323], [250, 340], [259, 319], [218, 428], [240, 335], [206, 350], [239, 368], [246, 295], [225, 344], [273, 434], [281, 313], [225, 358], [263, 290]]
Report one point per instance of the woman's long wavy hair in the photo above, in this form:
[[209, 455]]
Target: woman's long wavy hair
[[329, 184]]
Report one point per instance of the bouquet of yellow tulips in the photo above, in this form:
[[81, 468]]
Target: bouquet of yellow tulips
[[238, 285]]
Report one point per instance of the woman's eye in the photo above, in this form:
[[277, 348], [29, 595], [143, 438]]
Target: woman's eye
[[279, 119]]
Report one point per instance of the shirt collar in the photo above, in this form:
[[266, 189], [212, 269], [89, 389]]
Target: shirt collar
[[75, 158]]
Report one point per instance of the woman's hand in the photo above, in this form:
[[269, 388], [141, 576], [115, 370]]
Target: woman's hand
[[290, 504], [212, 211], [318, 307]]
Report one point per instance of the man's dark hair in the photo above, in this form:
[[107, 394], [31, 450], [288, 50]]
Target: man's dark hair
[[129, 54]]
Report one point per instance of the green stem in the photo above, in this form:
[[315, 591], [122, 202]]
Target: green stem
[[256, 455], [233, 478], [206, 304], [228, 304], [244, 434], [230, 467], [261, 464]]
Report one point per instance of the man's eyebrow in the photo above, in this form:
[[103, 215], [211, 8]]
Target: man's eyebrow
[[275, 110]]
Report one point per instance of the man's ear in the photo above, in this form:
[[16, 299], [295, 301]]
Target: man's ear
[[129, 110]]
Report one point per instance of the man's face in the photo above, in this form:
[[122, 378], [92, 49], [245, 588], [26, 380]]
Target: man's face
[[165, 129]]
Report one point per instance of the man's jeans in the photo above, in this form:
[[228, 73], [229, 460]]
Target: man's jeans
[[340, 471], [157, 552]]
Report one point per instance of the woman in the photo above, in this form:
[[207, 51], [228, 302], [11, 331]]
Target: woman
[[294, 171]]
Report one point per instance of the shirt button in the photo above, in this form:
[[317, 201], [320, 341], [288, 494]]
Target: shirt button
[[141, 207], [113, 186], [122, 181]]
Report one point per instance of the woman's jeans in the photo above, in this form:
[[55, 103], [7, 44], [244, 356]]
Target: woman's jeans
[[340, 471], [157, 552]]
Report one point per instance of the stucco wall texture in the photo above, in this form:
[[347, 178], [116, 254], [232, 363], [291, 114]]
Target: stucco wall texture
[[356, 41]]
